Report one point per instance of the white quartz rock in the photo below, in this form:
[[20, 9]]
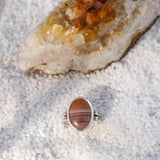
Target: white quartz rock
[[74, 38]]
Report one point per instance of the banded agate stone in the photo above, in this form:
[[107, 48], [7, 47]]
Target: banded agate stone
[[80, 114]]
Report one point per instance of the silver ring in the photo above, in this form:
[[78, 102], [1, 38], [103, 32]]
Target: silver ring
[[80, 114]]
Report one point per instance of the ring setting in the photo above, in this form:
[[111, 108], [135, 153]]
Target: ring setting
[[80, 114]]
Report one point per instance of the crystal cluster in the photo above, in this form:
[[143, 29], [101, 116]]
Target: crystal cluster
[[79, 23]]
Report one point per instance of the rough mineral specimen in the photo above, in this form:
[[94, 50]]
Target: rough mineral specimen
[[85, 35]]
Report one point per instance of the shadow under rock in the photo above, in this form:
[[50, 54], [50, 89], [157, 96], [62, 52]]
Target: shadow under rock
[[102, 99], [2, 6]]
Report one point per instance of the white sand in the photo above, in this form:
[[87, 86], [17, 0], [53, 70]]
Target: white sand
[[127, 93]]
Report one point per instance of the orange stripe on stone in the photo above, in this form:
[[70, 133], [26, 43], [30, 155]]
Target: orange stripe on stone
[[80, 113]]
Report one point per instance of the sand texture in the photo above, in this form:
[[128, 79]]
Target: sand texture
[[127, 93]]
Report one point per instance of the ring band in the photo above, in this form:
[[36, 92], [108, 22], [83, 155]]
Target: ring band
[[80, 114]]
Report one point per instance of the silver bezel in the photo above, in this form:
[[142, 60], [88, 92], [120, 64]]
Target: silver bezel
[[92, 113]]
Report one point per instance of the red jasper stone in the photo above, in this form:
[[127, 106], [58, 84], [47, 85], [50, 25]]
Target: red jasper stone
[[80, 114]]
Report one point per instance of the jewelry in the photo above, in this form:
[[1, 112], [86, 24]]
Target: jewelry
[[80, 114]]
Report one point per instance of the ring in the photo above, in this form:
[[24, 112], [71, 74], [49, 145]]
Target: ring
[[80, 114]]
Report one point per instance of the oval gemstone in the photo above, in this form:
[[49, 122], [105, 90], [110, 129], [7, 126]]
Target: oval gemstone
[[80, 114]]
